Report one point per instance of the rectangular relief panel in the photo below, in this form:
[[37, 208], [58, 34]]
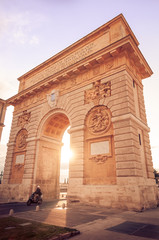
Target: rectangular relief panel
[[17, 168], [99, 167]]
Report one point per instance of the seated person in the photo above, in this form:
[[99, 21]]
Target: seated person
[[37, 193]]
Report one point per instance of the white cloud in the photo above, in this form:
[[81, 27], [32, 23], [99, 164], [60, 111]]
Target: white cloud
[[18, 28], [34, 40], [19, 37]]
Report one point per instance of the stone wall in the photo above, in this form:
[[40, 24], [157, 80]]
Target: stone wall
[[95, 86]]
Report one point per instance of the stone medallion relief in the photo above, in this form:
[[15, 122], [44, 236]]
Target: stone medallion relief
[[99, 120], [21, 139]]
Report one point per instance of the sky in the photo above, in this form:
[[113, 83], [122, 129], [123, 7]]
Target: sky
[[34, 30]]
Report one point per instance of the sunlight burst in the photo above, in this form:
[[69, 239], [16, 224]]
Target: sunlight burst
[[66, 153]]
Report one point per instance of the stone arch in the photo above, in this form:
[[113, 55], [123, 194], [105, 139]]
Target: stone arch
[[48, 152], [48, 116], [99, 164], [98, 69], [19, 153]]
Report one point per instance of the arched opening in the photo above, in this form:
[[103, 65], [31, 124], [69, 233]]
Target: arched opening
[[48, 164]]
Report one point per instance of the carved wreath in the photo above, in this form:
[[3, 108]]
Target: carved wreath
[[99, 120]]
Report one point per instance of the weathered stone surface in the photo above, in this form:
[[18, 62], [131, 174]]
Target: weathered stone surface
[[95, 87]]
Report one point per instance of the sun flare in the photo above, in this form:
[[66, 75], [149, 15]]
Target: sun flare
[[66, 155], [66, 152]]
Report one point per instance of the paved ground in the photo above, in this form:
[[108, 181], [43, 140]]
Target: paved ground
[[98, 223]]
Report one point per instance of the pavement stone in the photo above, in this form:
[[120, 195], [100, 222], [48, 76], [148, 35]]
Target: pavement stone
[[98, 223]]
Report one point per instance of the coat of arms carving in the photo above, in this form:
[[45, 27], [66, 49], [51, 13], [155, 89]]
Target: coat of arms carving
[[52, 98], [98, 92], [24, 118]]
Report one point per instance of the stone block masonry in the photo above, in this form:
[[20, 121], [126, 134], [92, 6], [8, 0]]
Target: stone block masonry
[[95, 87]]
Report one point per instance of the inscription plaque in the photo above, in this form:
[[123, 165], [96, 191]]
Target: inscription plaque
[[100, 148], [19, 159]]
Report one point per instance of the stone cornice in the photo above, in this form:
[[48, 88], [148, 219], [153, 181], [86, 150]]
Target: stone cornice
[[2, 101], [133, 118], [76, 129], [137, 56], [82, 41], [51, 140], [126, 44]]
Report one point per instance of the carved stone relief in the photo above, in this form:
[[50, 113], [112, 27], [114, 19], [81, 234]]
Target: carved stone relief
[[100, 150], [99, 159], [19, 157], [99, 91], [24, 118], [21, 139], [98, 120], [52, 98]]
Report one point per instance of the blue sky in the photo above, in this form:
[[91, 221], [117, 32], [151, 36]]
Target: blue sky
[[34, 30]]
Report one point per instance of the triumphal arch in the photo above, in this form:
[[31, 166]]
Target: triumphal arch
[[95, 87]]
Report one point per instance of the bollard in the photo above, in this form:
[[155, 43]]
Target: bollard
[[37, 208], [11, 212]]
